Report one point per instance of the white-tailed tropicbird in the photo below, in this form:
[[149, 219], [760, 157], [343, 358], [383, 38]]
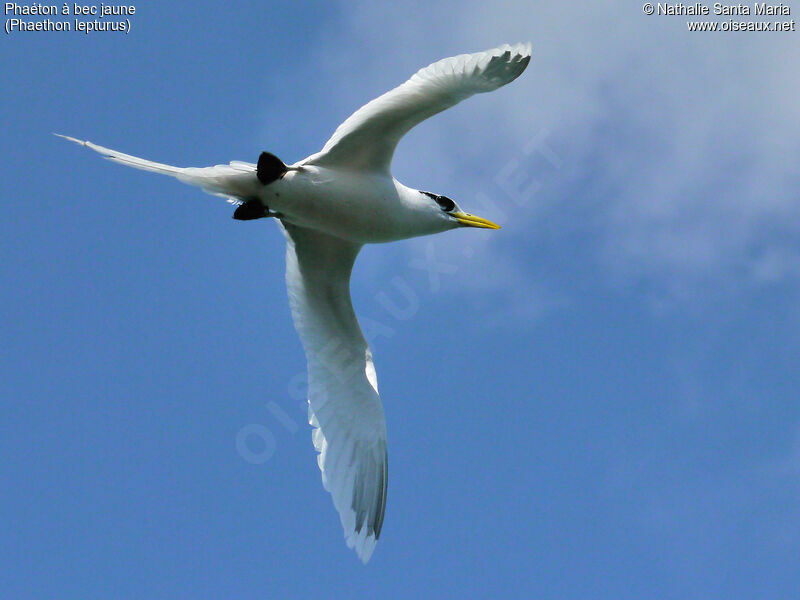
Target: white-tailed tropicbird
[[329, 205]]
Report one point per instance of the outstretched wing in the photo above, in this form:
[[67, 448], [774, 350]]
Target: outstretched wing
[[344, 406], [367, 139]]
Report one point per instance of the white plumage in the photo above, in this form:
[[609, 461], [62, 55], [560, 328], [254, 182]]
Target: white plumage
[[367, 139], [328, 206]]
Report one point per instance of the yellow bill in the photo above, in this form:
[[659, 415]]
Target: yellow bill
[[473, 221]]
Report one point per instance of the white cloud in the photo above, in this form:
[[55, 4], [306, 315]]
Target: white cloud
[[677, 152]]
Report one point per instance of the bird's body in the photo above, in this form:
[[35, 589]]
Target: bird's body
[[329, 205], [361, 207]]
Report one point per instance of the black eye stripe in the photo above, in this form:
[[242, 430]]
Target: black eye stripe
[[446, 203], [443, 201]]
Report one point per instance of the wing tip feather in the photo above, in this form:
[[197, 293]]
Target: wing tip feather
[[359, 496]]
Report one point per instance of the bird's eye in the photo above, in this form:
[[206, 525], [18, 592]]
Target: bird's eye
[[445, 202]]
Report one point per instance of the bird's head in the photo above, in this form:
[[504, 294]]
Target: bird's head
[[452, 216]]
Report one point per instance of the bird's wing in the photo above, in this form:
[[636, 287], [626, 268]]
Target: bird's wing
[[344, 406], [367, 139]]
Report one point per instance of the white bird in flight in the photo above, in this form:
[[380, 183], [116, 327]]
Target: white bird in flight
[[329, 205]]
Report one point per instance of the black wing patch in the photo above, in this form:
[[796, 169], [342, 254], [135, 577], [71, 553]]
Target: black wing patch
[[251, 209], [270, 168]]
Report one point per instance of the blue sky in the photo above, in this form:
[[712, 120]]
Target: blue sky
[[598, 401]]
